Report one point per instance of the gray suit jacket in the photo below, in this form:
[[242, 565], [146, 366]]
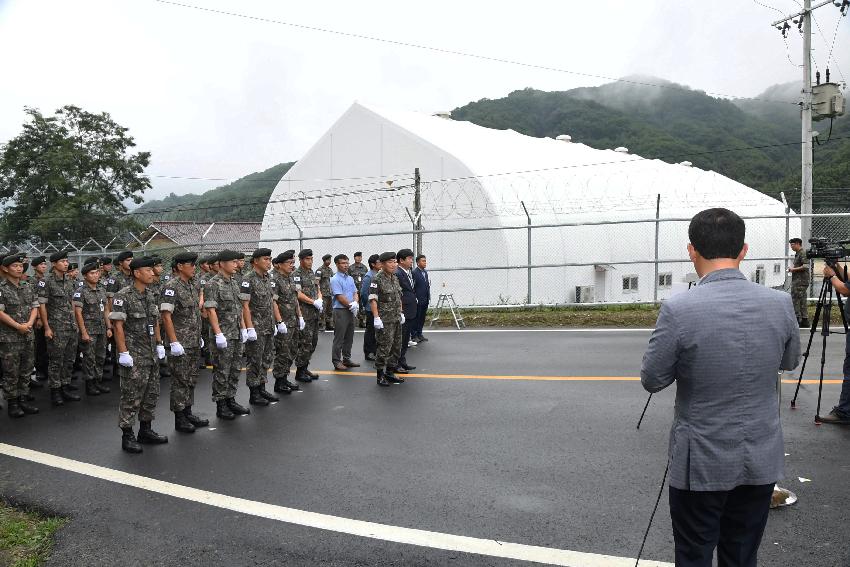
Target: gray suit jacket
[[724, 342]]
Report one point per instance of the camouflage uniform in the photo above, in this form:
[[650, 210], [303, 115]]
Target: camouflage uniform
[[93, 304], [55, 292], [285, 344], [305, 282], [260, 291], [199, 281], [116, 282], [41, 360], [181, 300], [387, 291], [222, 293], [357, 271], [800, 288], [139, 383], [16, 350], [324, 275]]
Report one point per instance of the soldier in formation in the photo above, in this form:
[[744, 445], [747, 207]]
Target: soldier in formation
[[18, 312], [385, 304], [358, 270], [289, 308], [324, 275], [312, 305], [135, 316], [258, 293], [89, 303]]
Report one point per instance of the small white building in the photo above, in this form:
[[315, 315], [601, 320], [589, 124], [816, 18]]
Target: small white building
[[358, 180]]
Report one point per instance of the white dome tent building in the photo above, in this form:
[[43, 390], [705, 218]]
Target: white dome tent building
[[358, 180]]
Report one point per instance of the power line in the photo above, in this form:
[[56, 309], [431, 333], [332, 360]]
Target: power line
[[455, 52], [834, 34]]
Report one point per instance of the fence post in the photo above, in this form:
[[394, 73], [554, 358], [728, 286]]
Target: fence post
[[657, 231], [528, 254], [300, 234], [787, 236], [417, 212]]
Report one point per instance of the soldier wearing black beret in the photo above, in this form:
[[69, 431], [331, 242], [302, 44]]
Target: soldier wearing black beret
[[324, 275], [312, 305]]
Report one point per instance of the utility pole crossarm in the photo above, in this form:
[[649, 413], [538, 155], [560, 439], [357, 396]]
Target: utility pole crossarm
[[801, 13]]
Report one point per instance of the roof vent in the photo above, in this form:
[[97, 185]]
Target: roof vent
[[564, 138], [443, 114], [686, 163], [622, 150]]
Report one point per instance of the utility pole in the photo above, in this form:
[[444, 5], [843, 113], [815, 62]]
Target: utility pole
[[803, 19], [417, 212]]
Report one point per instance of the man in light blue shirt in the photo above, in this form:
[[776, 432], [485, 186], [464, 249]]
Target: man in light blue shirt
[[345, 307]]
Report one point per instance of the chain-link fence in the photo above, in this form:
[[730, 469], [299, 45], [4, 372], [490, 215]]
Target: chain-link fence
[[505, 263]]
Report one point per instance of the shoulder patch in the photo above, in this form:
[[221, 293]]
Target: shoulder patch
[[111, 280], [203, 282], [272, 284], [78, 295], [169, 292], [79, 284], [118, 302], [296, 278], [41, 283], [373, 284], [246, 284]]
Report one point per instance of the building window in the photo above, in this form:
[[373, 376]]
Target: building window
[[777, 268], [665, 281], [630, 284]]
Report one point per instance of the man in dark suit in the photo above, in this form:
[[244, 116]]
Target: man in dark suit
[[723, 343], [422, 287], [404, 273]]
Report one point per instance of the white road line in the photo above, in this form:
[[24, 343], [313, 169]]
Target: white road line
[[360, 528]]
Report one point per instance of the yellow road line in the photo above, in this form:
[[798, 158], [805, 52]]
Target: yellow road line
[[536, 378]]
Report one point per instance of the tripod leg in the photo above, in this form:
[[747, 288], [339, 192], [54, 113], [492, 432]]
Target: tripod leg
[[825, 334], [643, 413], [841, 310], [815, 319]]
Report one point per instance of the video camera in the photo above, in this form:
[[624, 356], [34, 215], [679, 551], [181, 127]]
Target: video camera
[[828, 250]]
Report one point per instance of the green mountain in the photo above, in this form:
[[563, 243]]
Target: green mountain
[[752, 141], [243, 200]]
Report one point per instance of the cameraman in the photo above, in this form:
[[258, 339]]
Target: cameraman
[[840, 414]]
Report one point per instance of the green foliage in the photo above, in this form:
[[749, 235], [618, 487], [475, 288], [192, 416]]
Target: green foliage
[[25, 538], [243, 200], [67, 176], [676, 125]]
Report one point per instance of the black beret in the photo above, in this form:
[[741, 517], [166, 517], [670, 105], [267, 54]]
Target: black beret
[[156, 260], [260, 252], [38, 260], [91, 266], [72, 266], [204, 260], [306, 253], [404, 253], [212, 258], [387, 256], [91, 260], [286, 255], [277, 259], [56, 256], [240, 255], [227, 255], [184, 258], [9, 259], [124, 255], [326, 257], [143, 262], [358, 254], [105, 260]]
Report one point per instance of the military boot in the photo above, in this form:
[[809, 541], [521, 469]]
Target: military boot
[[56, 397], [194, 419], [164, 371], [15, 408], [182, 423], [91, 388], [390, 376], [236, 408], [223, 411], [104, 389], [382, 381], [68, 395], [293, 387], [256, 399], [35, 383], [281, 386], [28, 409], [300, 376], [148, 435], [312, 375], [266, 394], [128, 441]]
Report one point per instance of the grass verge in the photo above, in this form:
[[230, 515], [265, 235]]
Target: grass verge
[[26, 538], [602, 316]]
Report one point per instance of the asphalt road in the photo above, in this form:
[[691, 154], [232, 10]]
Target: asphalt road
[[555, 463]]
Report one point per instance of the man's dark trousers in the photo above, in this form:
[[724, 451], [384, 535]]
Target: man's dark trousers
[[419, 323], [731, 520], [370, 343]]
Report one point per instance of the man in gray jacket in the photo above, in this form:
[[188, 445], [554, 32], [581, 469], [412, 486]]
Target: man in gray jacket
[[723, 343]]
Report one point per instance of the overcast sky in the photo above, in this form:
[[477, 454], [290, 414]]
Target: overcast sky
[[218, 96]]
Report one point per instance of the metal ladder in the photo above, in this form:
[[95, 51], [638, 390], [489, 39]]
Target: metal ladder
[[447, 301]]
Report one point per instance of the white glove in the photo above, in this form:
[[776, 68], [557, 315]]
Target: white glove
[[160, 352], [221, 341], [177, 349], [281, 328], [301, 323], [378, 323], [202, 343], [244, 335], [402, 319], [125, 360], [354, 307], [251, 333], [319, 304]]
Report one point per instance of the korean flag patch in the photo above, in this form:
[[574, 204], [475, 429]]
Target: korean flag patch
[[169, 292], [118, 302], [246, 284], [77, 295], [296, 279], [41, 283], [371, 285], [273, 284]]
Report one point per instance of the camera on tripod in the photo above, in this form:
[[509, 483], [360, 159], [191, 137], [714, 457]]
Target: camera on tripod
[[828, 250]]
